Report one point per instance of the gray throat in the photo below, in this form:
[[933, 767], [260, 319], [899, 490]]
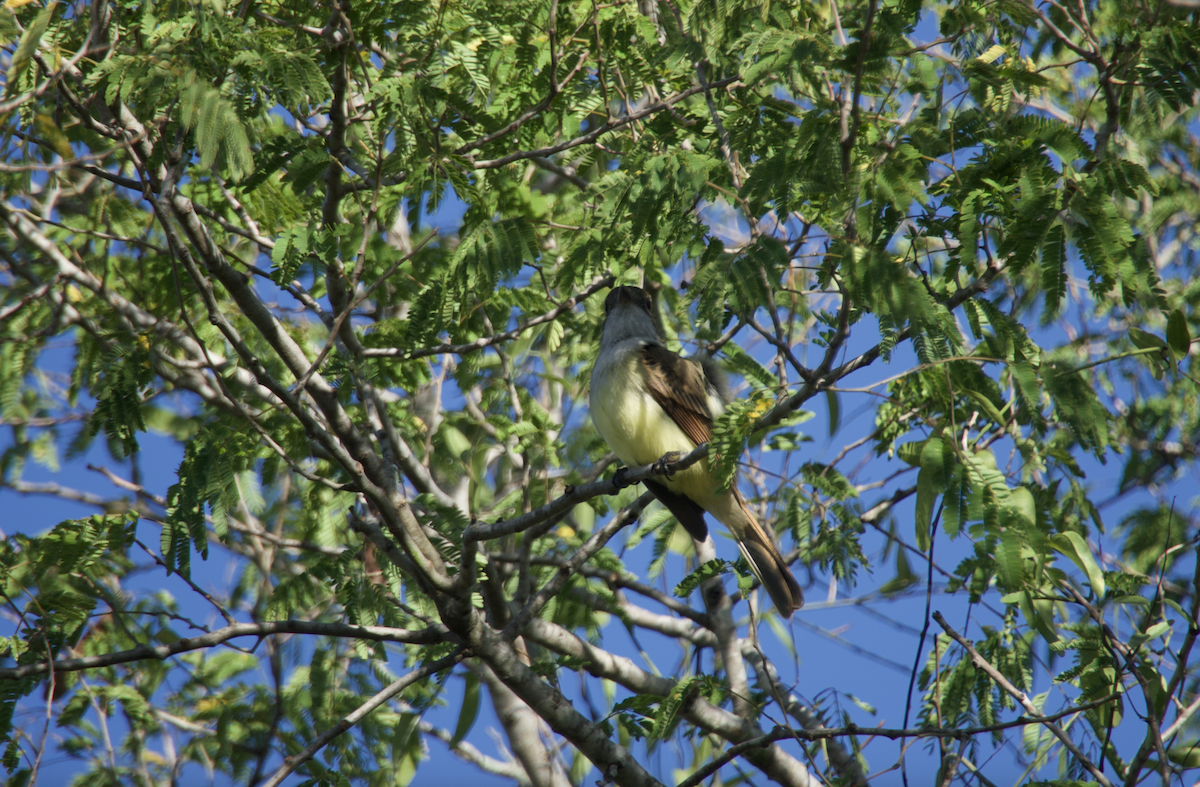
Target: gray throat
[[627, 329], [627, 322]]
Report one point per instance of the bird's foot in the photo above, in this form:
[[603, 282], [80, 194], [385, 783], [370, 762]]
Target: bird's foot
[[663, 465], [619, 478]]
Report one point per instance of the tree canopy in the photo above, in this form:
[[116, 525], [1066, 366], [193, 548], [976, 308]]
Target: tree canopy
[[345, 263]]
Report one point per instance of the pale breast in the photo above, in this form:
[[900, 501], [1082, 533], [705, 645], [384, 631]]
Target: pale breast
[[629, 420], [637, 428]]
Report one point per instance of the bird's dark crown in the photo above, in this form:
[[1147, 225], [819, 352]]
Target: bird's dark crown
[[634, 295]]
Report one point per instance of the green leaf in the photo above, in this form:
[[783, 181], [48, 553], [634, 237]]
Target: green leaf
[[911, 452], [29, 44], [1178, 336], [745, 576], [1039, 615], [456, 442], [835, 411], [406, 748], [713, 568], [668, 709], [933, 458], [743, 363], [1010, 561], [730, 432], [868, 707], [1157, 630], [926, 495], [1150, 634], [989, 408], [828, 480], [1075, 547], [1187, 756], [1054, 271], [1145, 341], [905, 576], [1020, 502], [1173, 604], [469, 711]]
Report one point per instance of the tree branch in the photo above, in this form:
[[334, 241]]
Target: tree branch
[[260, 630], [1004, 683]]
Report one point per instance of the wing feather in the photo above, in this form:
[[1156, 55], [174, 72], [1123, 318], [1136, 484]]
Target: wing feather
[[680, 388]]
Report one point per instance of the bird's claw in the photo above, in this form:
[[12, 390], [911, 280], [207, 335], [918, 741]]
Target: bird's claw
[[619, 478], [663, 465]]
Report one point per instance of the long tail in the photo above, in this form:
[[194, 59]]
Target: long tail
[[765, 561]]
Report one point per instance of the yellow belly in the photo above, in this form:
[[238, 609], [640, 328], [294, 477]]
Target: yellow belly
[[639, 431]]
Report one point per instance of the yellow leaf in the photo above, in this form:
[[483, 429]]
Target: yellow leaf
[[992, 54], [54, 135], [760, 407]]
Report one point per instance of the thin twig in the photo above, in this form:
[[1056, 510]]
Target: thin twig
[[360, 713], [1020, 696], [487, 341], [260, 630], [604, 128], [590, 547]]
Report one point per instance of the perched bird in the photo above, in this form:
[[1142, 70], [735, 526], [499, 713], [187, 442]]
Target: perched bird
[[647, 401]]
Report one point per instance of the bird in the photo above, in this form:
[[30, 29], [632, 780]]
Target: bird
[[648, 402]]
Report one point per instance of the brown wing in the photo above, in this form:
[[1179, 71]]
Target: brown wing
[[678, 386]]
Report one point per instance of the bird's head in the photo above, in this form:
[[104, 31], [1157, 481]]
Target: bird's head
[[628, 313], [633, 296]]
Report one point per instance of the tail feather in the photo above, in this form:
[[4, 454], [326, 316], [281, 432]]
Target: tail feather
[[687, 511], [768, 565]]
